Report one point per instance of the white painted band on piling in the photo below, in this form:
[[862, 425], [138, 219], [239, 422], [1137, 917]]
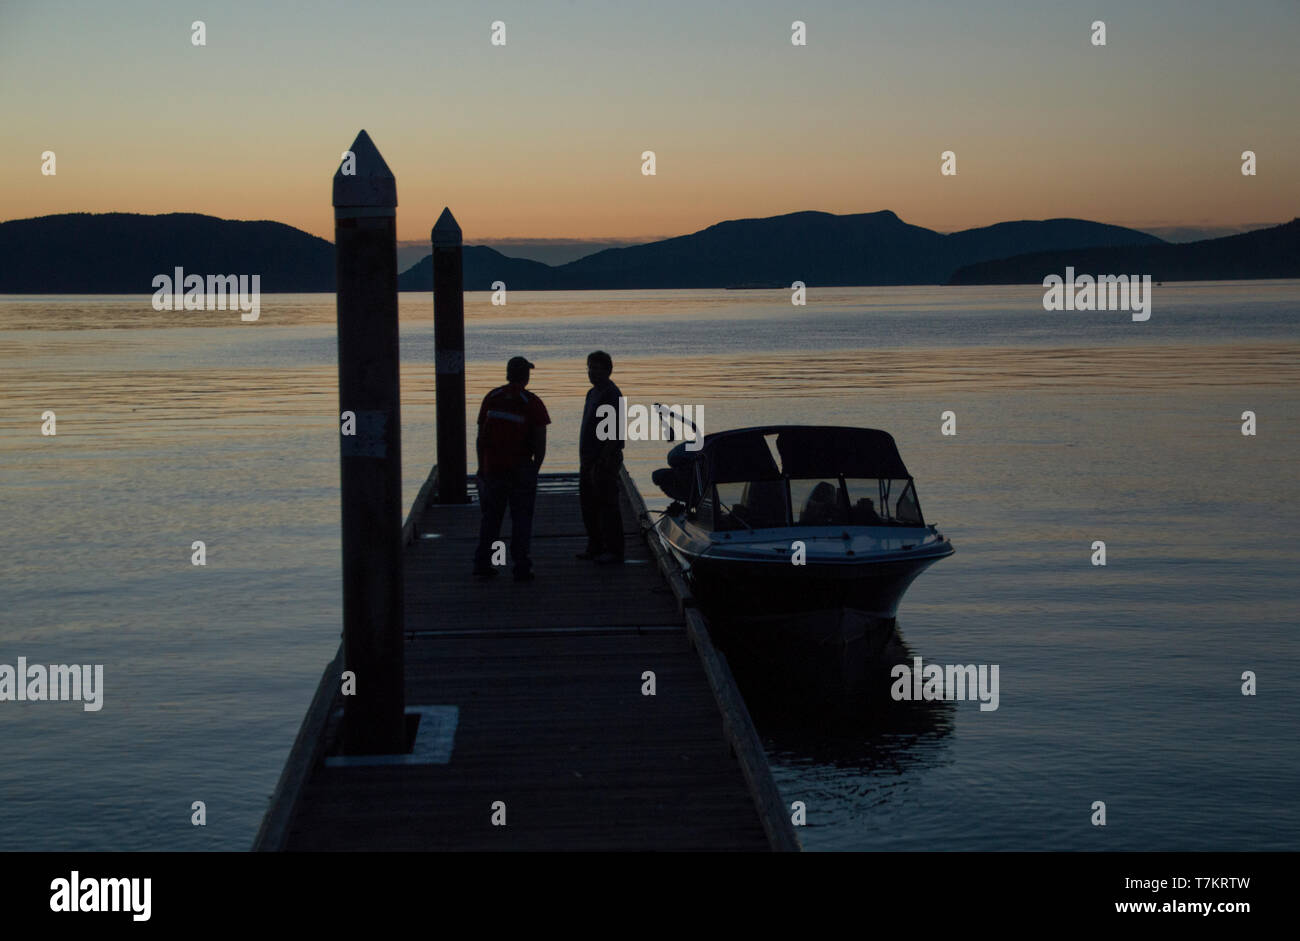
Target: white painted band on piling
[[359, 212]]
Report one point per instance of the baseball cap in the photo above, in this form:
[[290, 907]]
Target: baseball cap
[[517, 365]]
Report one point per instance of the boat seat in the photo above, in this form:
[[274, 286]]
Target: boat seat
[[764, 503], [822, 508]]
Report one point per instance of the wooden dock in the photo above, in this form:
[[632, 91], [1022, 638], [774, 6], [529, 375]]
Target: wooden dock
[[534, 710]]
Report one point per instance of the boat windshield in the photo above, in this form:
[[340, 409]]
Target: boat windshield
[[818, 501]]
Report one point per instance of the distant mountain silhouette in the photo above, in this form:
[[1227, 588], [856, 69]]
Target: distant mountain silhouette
[[818, 248], [482, 266], [120, 253], [1264, 253]]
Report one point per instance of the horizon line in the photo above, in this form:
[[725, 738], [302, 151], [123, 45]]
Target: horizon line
[[625, 241]]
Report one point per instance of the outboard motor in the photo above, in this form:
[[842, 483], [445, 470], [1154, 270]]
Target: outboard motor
[[675, 482]]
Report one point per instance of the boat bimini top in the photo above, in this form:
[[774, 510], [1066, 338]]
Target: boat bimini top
[[792, 475]]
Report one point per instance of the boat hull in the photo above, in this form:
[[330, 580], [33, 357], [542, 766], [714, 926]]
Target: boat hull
[[817, 656], [868, 570], [745, 589], [809, 630]]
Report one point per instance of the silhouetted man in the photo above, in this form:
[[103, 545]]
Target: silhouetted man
[[511, 445], [599, 460]]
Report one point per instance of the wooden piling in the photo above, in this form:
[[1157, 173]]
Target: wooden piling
[[449, 356], [370, 452]]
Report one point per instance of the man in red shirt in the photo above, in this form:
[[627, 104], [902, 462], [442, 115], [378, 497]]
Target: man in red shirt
[[511, 446]]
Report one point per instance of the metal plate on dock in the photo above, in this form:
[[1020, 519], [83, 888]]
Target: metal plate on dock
[[434, 739]]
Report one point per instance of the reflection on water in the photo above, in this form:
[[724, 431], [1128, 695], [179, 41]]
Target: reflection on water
[[849, 758], [866, 731]]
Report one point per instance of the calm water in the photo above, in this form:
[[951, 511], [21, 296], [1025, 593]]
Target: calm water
[[1119, 684]]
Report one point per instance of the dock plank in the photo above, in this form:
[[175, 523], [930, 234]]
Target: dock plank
[[547, 680]]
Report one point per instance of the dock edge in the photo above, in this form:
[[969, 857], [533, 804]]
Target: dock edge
[[307, 746], [737, 725]]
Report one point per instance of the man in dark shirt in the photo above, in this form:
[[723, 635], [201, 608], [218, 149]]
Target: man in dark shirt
[[511, 445], [600, 457]]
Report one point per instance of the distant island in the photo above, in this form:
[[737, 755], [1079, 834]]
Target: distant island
[[817, 248], [1264, 253], [121, 253]]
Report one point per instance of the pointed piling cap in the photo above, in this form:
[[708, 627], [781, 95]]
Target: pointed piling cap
[[446, 231], [369, 182]]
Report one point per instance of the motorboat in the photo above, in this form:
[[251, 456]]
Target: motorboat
[[805, 534]]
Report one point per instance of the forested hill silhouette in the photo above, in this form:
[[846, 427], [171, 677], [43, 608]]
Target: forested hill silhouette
[[1264, 253], [121, 253], [818, 248], [482, 267]]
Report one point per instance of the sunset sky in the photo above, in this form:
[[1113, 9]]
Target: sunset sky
[[543, 137]]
